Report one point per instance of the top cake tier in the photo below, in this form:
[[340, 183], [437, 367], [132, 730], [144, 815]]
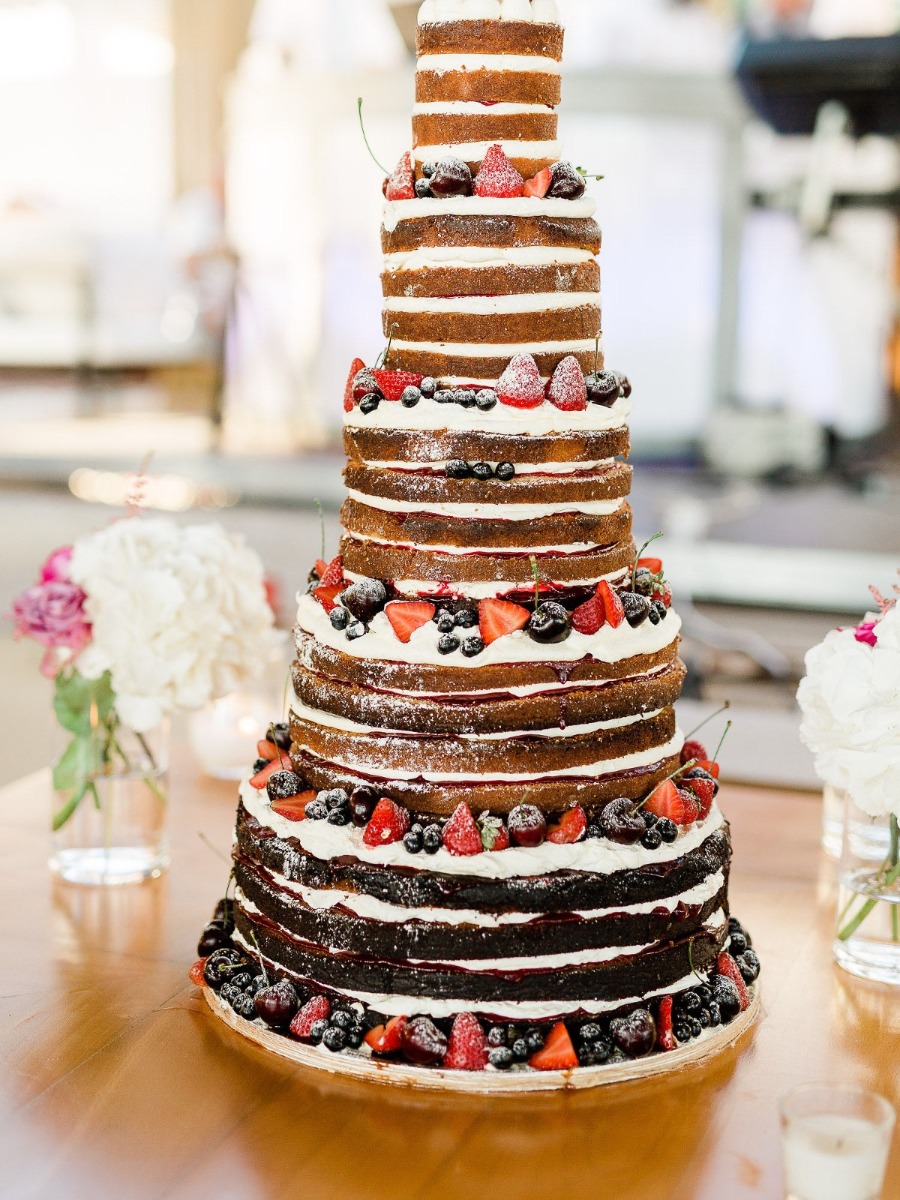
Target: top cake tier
[[487, 73]]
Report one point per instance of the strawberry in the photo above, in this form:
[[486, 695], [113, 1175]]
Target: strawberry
[[704, 790], [520, 385], [692, 750], [497, 176], [612, 605], [665, 1038], [293, 808], [316, 1009], [588, 617], [195, 974], [467, 1046], [461, 835], [707, 765], [327, 596], [388, 823], [355, 367], [261, 778], [567, 389], [406, 616], [333, 573], [386, 1039], [494, 834], [394, 383], [402, 184], [558, 1053], [726, 966], [663, 594], [268, 750], [571, 827], [670, 801], [538, 185], [654, 565], [496, 618], [321, 566]]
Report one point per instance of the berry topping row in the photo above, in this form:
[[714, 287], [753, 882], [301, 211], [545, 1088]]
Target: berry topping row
[[496, 178]]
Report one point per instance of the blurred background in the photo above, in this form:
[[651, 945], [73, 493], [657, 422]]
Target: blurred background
[[189, 260]]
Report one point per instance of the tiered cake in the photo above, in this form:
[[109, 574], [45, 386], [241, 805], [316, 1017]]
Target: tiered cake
[[482, 843]]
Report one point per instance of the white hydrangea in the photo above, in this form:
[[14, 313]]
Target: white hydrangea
[[179, 614], [850, 700]]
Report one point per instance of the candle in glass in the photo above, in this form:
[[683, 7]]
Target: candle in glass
[[835, 1143]]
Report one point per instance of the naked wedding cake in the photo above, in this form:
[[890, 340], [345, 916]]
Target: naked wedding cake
[[481, 842]]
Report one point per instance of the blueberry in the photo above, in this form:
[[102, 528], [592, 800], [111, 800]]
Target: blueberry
[[410, 397], [428, 169], [445, 621], [649, 818], [738, 943], [317, 1031], [734, 925], [423, 189], [447, 644], [472, 646], [316, 810], [464, 397], [334, 798], [413, 840], [590, 1032], [748, 965], [593, 831], [653, 615], [534, 1039], [520, 1050], [483, 471], [696, 1027], [689, 1002], [705, 994], [715, 1014], [355, 1035], [496, 1035], [339, 618], [355, 630], [428, 387], [369, 403], [241, 980], [432, 839], [334, 1039], [259, 764], [338, 816], [652, 839], [466, 618], [703, 1018], [660, 609], [486, 399], [682, 1031], [246, 1007], [505, 471], [592, 1054], [666, 829], [501, 1057], [443, 396], [228, 991], [624, 386], [725, 995], [342, 1019], [457, 469]]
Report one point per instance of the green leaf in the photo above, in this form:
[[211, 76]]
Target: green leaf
[[60, 818], [81, 703], [75, 765]]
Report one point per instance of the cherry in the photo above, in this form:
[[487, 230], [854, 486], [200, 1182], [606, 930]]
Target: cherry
[[363, 800], [527, 825], [636, 606], [277, 1003], [565, 182], [223, 964], [549, 623], [364, 383], [423, 1042], [603, 388], [620, 822], [214, 937], [365, 598], [635, 1034], [451, 177]]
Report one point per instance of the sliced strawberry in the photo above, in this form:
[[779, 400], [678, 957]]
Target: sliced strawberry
[[567, 389], [497, 176], [520, 385], [327, 596], [557, 1053], [394, 383], [402, 184], [538, 185], [653, 565], [494, 834], [333, 573], [294, 807], [726, 965], [406, 616], [388, 823], [692, 750], [386, 1039], [612, 605], [571, 827], [316, 1009], [467, 1047], [461, 834], [663, 593], [268, 750], [590, 616], [496, 618], [670, 801], [261, 778], [708, 765], [705, 792], [355, 367], [321, 566], [665, 1038], [195, 974]]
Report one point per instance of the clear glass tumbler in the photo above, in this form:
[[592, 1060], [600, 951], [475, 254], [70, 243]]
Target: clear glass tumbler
[[867, 930]]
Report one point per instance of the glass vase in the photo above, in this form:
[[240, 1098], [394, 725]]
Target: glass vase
[[871, 839], [867, 931], [111, 804]]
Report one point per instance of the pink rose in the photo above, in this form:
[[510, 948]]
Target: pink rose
[[56, 567], [52, 613], [865, 632]]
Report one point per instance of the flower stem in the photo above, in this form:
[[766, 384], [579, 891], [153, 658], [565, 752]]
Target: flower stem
[[886, 877]]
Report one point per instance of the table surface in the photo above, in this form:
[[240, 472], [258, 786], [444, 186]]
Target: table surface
[[119, 1082]]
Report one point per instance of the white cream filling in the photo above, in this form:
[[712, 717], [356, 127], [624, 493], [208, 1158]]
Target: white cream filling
[[543, 420], [443, 64], [510, 512], [606, 645], [429, 589], [439, 466], [443, 11], [371, 908], [467, 551], [475, 151], [463, 257], [395, 211], [474, 108], [490, 306], [325, 841], [331, 721], [496, 349]]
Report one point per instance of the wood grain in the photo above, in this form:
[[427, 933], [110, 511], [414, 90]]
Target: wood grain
[[118, 1081]]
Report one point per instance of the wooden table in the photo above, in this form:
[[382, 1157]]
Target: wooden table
[[118, 1082]]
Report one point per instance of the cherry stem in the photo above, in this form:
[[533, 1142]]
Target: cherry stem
[[715, 757], [383, 357], [692, 762], [208, 844], [587, 174], [596, 352], [537, 579], [359, 104], [318, 504], [262, 965], [706, 720], [270, 734], [637, 557]]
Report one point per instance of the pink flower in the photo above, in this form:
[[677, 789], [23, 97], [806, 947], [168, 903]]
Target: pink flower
[[57, 566], [865, 632], [53, 614]]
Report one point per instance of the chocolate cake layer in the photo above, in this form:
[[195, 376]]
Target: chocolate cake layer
[[548, 325], [448, 128], [487, 367], [345, 932], [440, 679], [551, 794], [412, 753], [605, 483], [438, 445], [488, 86], [505, 280], [477, 229], [429, 529], [490, 37], [618, 979], [555, 892], [454, 713], [380, 561]]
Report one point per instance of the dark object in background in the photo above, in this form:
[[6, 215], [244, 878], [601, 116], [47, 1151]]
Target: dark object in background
[[786, 81]]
